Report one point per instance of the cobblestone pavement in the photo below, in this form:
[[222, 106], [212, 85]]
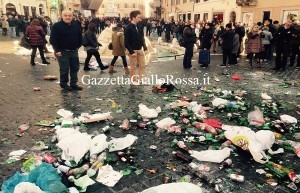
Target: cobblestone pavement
[[20, 104]]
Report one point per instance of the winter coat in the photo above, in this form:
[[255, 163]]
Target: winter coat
[[283, 37], [93, 42], [268, 37], [206, 37], [4, 24], [295, 40], [254, 43], [236, 44], [227, 37], [36, 35], [189, 34], [118, 42]]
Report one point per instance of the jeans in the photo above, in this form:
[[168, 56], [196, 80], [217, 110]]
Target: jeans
[[12, 31], [90, 53], [266, 53], [281, 57], [295, 51], [33, 53], [227, 55], [115, 59], [138, 58], [188, 55], [68, 62]]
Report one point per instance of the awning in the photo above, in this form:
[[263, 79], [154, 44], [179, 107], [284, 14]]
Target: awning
[[95, 4]]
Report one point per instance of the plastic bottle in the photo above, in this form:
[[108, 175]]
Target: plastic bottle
[[225, 164], [183, 157], [237, 177], [77, 172], [182, 146], [97, 164]]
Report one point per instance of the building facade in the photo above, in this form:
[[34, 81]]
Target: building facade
[[254, 11], [124, 7]]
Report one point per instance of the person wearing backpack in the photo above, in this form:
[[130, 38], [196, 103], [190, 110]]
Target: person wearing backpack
[[92, 47]]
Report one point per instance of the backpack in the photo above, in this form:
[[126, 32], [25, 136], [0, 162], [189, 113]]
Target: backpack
[[85, 40], [181, 40]]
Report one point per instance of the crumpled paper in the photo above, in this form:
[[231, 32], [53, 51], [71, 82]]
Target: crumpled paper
[[108, 176], [216, 156], [145, 112]]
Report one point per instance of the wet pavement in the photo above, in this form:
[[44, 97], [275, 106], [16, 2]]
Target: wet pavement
[[20, 104]]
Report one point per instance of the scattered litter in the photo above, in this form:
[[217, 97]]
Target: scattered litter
[[107, 176]]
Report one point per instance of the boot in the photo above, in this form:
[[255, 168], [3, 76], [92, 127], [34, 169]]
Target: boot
[[111, 69], [126, 70]]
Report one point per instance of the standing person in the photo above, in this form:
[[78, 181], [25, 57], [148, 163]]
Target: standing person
[[5, 26], [18, 26], [12, 26], [118, 48], [148, 26], [168, 29], [266, 41], [134, 42], [190, 39], [254, 45], [235, 48], [283, 45], [273, 30], [37, 40], [227, 44], [92, 48], [206, 38], [66, 39], [159, 29], [295, 46], [240, 30]]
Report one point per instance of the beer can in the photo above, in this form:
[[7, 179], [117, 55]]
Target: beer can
[[237, 177]]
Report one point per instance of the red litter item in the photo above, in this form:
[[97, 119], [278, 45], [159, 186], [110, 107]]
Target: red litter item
[[205, 127], [236, 77], [49, 158], [213, 122]]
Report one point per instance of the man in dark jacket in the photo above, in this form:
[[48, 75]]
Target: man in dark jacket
[[135, 44], [66, 39], [295, 45], [283, 45], [206, 38], [227, 44], [168, 29], [240, 30], [190, 39]]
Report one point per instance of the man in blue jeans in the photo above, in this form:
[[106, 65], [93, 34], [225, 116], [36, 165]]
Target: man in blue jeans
[[12, 22], [66, 39]]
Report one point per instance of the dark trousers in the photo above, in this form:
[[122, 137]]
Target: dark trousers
[[4, 31], [234, 58], [90, 53], [188, 55], [159, 31], [33, 53], [281, 57], [272, 49], [295, 51], [240, 48], [168, 36], [267, 53], [123, 59], [69, 62], [227, 56], [148, 33], [257, 57]]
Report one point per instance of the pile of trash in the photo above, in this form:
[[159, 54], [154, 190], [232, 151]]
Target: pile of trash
[[84, 159]]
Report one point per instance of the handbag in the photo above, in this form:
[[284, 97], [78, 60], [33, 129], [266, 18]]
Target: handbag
[[25, 42], [110, 46]]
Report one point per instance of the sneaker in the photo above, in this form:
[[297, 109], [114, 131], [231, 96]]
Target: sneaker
[[66, 87], [46, 62], [86, 69], [76, 87], [204, 65]]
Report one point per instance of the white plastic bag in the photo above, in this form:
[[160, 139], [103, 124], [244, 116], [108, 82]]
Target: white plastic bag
[[164, 124], [265, 96], [98, 144], [217, 102], [65, 113], [27, 187], [180, 187], [256, 117], [216, 156], [117, 144], [145, 112], [288, 119]]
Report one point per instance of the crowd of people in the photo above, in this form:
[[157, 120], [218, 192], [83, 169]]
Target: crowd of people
[[259, 42]]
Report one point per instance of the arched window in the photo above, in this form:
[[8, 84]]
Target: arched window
[[10, 9], [232, 17], [41, 9]]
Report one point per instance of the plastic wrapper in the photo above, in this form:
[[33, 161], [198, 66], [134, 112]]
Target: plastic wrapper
[[256, 117]]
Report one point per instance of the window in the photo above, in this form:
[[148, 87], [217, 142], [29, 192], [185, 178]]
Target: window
[[177, 2], [189, 16], [41, 9], [266, 15], [205, 16], [197, 1]]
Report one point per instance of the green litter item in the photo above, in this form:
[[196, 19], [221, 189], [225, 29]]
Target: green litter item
[[29, 164], [45, 123], [67, 123], [208, 136], [186, 178], [138, 172], [126, 172]]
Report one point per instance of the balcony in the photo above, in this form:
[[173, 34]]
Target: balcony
[[244, 3]]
